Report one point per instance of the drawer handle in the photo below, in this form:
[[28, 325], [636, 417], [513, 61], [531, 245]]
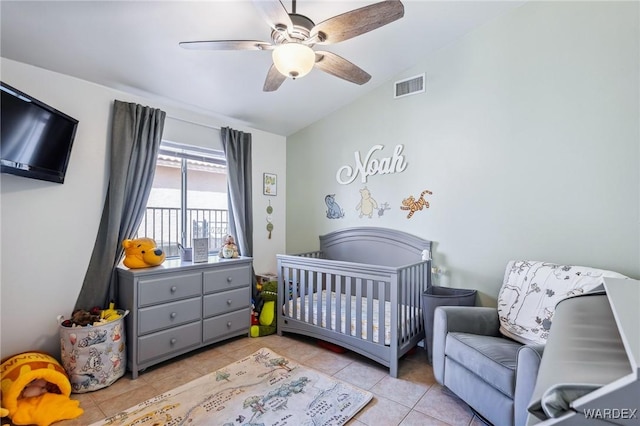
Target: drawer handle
[[174, 289], [173, 315], [229, 302], [173, 342], [229, 324], [229, 279]]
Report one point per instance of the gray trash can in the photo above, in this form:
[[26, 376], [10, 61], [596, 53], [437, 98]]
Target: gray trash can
[[442, 296]]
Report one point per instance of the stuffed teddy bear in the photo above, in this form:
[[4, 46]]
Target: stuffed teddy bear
[[142, 253], [267, 317], [229, 249]]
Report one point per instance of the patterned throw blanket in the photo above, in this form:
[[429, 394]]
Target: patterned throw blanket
[[263, 388]]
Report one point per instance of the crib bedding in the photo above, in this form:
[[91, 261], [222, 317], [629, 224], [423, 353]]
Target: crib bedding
[[413, 314]]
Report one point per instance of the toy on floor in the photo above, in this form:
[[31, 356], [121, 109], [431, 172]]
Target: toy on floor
[[254, 314], [142, 253], [95, 316], [267, 317], [36, 389]]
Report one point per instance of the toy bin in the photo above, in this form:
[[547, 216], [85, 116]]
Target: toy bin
[[94, 356], [442, 296]]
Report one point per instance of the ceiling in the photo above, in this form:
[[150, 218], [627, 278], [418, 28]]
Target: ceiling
[[133, 46]]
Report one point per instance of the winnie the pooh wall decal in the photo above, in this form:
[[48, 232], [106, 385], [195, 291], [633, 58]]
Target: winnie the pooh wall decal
[[372, 166], [413, 205], [334, 211], [367, 204]]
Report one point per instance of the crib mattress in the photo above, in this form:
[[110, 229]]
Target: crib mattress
[[414, 315]]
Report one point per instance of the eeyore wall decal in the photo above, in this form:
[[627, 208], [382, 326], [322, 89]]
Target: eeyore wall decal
[[334, 211]]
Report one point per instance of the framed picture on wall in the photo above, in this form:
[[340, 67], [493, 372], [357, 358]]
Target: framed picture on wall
[[270, 184]]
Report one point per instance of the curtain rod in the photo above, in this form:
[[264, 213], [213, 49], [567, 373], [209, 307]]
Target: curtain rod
[[194, 122]]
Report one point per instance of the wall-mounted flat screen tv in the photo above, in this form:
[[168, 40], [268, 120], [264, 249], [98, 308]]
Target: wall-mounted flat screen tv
[[35, 138]]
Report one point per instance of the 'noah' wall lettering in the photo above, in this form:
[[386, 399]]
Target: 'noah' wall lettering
[[372, 166]]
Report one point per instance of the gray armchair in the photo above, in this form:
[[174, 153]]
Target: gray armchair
[[490, 357], [493, 374]]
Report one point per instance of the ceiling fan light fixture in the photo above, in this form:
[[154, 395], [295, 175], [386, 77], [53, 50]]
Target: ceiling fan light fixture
[[294, 60]]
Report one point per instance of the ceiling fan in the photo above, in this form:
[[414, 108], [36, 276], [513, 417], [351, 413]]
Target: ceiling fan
[[293, 36]]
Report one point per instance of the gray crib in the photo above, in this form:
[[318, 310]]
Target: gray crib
[[362, 290]]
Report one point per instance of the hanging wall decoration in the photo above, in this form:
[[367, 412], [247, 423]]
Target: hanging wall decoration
[[269, 219], [413, 205], [334, 211], [372, 166], [367, 204]]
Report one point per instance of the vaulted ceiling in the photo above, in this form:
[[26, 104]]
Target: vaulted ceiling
[[133, 46]]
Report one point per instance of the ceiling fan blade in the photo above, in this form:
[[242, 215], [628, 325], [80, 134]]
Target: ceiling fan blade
[[274, 80], [274, 12], [356, 22], [226, 45], [340, 67]]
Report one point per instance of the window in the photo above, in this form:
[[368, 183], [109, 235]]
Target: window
[[188, 198]]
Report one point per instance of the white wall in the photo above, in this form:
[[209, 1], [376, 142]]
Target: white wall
[[48, 230], [527, 135]]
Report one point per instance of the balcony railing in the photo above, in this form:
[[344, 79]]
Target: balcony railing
[[164, 225]]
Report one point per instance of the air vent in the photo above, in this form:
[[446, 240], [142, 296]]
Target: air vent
[[409, 86]]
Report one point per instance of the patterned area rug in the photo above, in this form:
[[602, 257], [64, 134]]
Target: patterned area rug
[[261, 389]]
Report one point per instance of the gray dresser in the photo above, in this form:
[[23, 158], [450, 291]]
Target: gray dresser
[[181, 306]]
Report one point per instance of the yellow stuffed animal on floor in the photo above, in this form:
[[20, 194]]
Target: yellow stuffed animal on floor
[[36, 390], [142, 253]]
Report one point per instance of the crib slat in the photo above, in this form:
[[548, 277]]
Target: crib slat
[[303, 297], [358, 307], [310, 294], [402, 315], [286, 279], [318, 283], [382, 326], [298, 276], [369, 310], [348, 314], [338, 296], [328, 296], [409, 322]]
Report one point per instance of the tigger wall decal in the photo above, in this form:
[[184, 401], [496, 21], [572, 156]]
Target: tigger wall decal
[[413, 205]]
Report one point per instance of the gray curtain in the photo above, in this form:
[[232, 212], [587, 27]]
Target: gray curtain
[[136, 133], [237, 149]]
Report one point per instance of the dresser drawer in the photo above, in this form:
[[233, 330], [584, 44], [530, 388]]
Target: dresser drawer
[[157, 317], [227, 278], [234, 322], [227, 301], [152, 290], [165, 342]]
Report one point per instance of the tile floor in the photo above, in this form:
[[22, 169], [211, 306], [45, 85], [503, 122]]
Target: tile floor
[[412, 399]]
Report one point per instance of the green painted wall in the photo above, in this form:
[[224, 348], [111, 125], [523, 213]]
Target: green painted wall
[[527, 135]]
